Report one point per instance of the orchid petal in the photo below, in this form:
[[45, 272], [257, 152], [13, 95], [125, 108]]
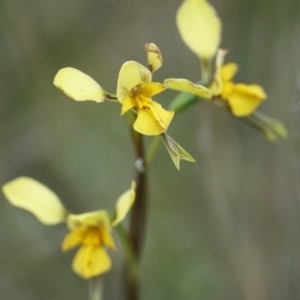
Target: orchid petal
[[187, 86], [153, 119], [199, 27], [31, 195], [78, 85], [154, 57], [132, 74], [91, 261], [245, 99], [95, 218], [124, 204]]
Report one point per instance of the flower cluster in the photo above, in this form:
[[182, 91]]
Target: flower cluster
[[135, 90], [200, 28], [91, 230]]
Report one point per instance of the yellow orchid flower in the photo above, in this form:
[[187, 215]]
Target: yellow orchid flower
[[242, 99], [200, 29], [90, 230], [134, 90]]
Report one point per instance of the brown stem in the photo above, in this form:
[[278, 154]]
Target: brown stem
[[138, 214]]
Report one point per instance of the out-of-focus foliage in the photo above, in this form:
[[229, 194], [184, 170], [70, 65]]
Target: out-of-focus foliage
[[225, 227]]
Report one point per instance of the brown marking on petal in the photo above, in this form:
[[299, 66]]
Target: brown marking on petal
[[76, 224], [89, 262], [136, 90], [152, 48], [110, 97], [150, 67]]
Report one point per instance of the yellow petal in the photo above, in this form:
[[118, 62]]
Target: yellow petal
[[74, 238], [245, 99], [154, 57], [227, 89], [187, 86], [91, 261], [228, 71], [199, 27], [128, 103], [124, 203], [29, 194], [78, 85], [153, 119], [95, 218], [107, 239], [153, 88], [93, 236], [217, 85], [131, 75]]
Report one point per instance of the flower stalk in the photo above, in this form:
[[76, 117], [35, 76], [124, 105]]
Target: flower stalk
[[95, 290], [137, 224]]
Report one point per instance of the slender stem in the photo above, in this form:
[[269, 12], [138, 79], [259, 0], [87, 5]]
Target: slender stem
[[138, 220], [138, 214], [95, 291], [111, 97], [269, 127]]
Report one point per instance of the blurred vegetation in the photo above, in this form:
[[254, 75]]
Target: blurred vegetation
[[226, 227]]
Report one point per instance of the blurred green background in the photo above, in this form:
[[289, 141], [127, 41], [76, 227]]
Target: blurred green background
[[226, 227]]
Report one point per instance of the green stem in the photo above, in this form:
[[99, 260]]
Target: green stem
[[183, 101], [264, 124], [95, 291]]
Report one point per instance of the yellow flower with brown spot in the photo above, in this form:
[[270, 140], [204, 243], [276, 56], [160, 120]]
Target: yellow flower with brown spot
[[242, 99], [134, 91], [90, 230]]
